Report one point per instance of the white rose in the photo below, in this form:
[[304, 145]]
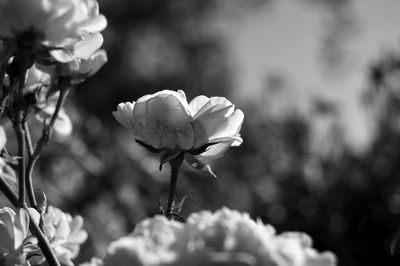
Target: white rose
[[226, 237], [70, 29], [65, 234], [165, 120]]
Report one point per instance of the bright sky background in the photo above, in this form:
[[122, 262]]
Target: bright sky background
[[285, 38]]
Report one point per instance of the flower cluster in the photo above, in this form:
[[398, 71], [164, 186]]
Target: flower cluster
[[19, 247], [225, 237], [65, 234], [203, 129]]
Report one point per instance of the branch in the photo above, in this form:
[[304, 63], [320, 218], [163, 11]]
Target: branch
[[64, 89]]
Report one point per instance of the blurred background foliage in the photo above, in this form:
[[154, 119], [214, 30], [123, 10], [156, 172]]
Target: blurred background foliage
[[294, 170]]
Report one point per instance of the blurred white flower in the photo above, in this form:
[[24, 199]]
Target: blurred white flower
[[46, 108], [225, 237], [78, 70], [204, 129], [65, 234], [70, 28], [37, 81], [14, 235], [93, 262]]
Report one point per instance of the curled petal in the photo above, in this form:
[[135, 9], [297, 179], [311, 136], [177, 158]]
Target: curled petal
[[124, 114]]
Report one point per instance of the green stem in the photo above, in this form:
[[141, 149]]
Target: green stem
[[175, 165]]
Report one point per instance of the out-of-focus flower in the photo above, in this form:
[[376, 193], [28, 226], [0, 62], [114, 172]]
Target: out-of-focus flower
[[65, 234], [46, 109], [15, 242], [3, 138], [37, 81], [93, 262], [78, 70], [70, 29], [225, 237], [204, 128]]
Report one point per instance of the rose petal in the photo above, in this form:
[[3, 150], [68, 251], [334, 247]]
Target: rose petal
[[124, 114], [227, 128]]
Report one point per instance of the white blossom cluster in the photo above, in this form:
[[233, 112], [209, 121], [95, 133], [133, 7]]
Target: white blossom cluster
[[226, 237]]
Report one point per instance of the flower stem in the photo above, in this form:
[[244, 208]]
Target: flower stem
[[64, 89], [21, 162], [19, 131], [175, 165]]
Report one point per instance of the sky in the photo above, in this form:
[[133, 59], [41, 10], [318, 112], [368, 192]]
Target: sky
[[285, 38]]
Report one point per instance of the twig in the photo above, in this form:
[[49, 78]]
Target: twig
[[64, 89], [21, 160], [19, 131], [28, 139]]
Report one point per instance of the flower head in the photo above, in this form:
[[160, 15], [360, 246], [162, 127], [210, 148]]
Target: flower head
[[69, 29], [203, 129], [65, 234], [225, 237]]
